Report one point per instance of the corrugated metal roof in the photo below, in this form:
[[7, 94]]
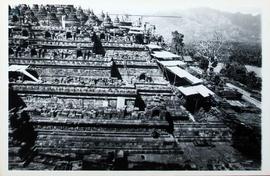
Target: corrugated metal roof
[[187, 59], [171, 63], [152, 46], [184, 74], [198, 89], [22, 69], [165, 55], [17, 67]]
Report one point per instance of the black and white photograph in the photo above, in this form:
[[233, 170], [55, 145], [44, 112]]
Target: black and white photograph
[[134, 86]]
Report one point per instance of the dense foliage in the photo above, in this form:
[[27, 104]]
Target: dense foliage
[[249, 54], [238, 72], [235, 55], [177, 43]]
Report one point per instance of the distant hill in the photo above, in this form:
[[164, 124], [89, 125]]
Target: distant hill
[[200, 23]]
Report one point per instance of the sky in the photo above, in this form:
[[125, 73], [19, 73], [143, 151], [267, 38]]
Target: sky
[[154, 6]]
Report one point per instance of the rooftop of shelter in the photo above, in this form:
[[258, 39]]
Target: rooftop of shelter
[[153, 46], [165, 55], [184, 74], [187, 59], [17, 67], [135, 32], [198, 89], [171, 63], [22, 69]]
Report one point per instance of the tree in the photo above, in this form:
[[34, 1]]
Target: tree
[[253, 81], [211, 49], [160, 39], [217, 80], [238, 72], [177, 42], [203, 63], [235, 71], [97, 47]]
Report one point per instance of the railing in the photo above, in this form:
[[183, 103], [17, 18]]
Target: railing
[[51, 62], [135, 63], [39, 88]]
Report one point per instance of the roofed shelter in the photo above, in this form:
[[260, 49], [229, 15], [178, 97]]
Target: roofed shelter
[[153, 46], [196, 97], [171, 63], [165, 55], [187, 59], [22, 69], [181, 77]]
